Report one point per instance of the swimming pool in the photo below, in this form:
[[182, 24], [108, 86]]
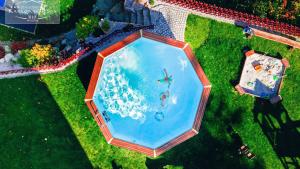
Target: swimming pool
[[148, 93]]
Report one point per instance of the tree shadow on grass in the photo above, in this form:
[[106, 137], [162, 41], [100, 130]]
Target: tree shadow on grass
[[236, 81], [211, 148], [85, 69], [280, 130], [203, 151], [34, 132]]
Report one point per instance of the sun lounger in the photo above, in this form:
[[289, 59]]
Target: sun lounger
[[250, 156], [244, 149]]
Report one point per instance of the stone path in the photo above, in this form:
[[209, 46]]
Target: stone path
[[213, 17], [169, 21]]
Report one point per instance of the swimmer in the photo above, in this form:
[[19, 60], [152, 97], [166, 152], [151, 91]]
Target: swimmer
[[163, 97], [166, 79]]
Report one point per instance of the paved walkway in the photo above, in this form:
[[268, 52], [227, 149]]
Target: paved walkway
[[170, 21], [181, 9]]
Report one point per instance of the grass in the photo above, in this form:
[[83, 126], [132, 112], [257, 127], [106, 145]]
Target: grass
[[34, 132], [52, 107], [221, 56]]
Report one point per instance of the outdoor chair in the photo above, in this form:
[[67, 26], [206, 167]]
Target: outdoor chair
[[244, 149], [250, 156]]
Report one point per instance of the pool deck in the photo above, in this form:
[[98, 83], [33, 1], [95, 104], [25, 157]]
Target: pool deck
[[101, 122]]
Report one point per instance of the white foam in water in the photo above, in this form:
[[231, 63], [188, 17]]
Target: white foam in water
[[174, 99], [117, 96], [128, 59], [183, 63]]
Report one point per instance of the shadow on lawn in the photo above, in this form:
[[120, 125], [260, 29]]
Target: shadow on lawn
[[236, 81], [282, 133], [40, 136], [208, 149], [85, 69]]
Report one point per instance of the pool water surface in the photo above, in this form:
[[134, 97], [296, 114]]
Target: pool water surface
[[148, 93]]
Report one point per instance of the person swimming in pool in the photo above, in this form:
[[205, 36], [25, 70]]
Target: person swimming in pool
[[163, 97], [167, 79]]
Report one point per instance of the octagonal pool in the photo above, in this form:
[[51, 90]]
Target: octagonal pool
[[148, 93]]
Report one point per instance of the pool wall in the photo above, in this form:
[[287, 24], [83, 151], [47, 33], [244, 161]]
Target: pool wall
[[101, 122]]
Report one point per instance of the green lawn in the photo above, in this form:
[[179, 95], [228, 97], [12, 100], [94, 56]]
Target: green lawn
[[51, 106]]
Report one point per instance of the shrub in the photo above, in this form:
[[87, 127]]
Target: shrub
[[86, 26], [36, 56], [105, 25], [261, 8], [151, 2]]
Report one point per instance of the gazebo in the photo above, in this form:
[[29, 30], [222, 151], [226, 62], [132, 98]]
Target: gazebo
[[262, 76], [147, 93]]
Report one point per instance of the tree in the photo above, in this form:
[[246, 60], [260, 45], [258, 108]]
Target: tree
[[86, 26], [261, 8]]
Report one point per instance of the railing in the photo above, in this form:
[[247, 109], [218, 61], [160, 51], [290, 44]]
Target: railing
[[251, 20]]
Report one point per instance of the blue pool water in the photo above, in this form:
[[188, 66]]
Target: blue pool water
[[2, 2], [148, 92]]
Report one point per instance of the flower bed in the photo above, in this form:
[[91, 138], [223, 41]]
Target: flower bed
[[237, 16], [45, 68]]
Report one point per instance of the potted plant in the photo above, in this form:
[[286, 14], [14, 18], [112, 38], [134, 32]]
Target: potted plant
[[105, 25]]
